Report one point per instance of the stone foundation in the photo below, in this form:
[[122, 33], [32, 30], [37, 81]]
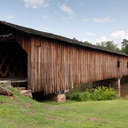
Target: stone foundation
[[27, 93], [60, 98]]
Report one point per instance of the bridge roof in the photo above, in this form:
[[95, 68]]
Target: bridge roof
[[33, 32]]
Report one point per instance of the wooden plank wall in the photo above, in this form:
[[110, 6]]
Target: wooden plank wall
[[54, 66]]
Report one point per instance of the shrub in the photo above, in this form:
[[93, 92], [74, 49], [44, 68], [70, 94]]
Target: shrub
[[79, 96], [100, 93], [103, 93]]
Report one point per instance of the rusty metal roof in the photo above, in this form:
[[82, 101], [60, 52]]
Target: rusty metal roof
[[59, 38]]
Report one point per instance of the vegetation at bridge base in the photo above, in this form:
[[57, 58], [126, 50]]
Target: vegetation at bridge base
[[97, 94], [23, 112]]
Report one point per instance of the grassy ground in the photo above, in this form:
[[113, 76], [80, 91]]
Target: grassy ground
[[22, 112]]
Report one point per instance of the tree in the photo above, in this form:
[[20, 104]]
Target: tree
[[87, 42], [110, 45], [124, 46], [74, 38]]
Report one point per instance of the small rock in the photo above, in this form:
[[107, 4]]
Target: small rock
[[5, 91], [27, 93], [61, 98]]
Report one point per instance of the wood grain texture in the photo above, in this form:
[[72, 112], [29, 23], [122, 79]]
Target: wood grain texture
[[55, 66]]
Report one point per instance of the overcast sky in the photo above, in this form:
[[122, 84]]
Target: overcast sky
[[86, 20]]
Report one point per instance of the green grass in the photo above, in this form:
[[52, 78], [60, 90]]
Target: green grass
[[22, 112]]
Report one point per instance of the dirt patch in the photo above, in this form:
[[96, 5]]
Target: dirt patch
[[54, 108], [2, 102], [94, 119], [49, 117], [27, 105]]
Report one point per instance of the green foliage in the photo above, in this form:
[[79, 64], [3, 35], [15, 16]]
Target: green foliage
[[103, 93], [125, 46], [3, 85], [110, 45], [79, 96], [100, 93], [88, 43]]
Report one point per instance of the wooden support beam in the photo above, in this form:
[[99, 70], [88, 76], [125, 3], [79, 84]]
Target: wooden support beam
[[6, 37], [119, 87]]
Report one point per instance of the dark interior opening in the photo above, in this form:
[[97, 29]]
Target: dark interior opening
[[40, 97], [118, 63], [13, 61]]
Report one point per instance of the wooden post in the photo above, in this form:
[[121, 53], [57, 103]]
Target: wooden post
[[119, 88]]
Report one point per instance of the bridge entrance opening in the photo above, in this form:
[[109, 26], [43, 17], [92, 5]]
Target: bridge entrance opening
[[13, 62]]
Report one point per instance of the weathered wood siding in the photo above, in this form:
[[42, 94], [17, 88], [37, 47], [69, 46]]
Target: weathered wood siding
[[55, 66]]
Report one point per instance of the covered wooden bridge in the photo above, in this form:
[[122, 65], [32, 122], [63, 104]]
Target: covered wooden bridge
[[51, 63]]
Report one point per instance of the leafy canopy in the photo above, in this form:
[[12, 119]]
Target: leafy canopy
[[124, 46], [110, 45]]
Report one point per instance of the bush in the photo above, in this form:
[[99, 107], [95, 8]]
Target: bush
[[80, 96], [103, 93], [100, 93]]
